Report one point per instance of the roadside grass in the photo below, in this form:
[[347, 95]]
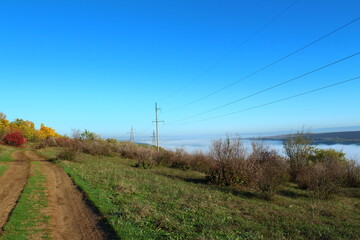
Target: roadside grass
[[165, 203], [5, 152], [50, 152], [27, 220], [3, 168]]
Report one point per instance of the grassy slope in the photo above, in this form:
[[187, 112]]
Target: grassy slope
[[27, 220], [163, 203], [5, 152], [4, 157]]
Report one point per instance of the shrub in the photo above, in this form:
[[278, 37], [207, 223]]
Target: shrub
[[267, 170], [127, 150], [68, 154], [98, 147], [298, 150], [324, 179], [47, 142], [15, 139], [200, 162], [327, 155], [145, 158], [72, 147], [164, 157], [181, 159], [227, 165], [352, 174]]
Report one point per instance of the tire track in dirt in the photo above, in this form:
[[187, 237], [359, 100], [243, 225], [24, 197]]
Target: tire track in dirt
[[12, 183], [71, 217]]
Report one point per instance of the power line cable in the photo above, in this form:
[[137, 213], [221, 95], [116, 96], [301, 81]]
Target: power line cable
[[276, 101], [233, 50], [269, 88], [267, 66]]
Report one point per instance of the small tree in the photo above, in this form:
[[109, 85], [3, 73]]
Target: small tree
[[87, 135], [327, 155], [15, 139], [298, 150]]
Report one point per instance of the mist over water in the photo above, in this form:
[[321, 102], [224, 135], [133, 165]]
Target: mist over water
[[194, 144]]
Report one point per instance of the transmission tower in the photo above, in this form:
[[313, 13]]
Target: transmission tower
[[132, 134], [157, 126]]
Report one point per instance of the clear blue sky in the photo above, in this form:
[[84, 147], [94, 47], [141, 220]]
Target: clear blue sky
[[101, 65]]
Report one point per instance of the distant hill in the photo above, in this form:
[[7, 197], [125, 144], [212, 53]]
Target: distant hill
[[349, 137]]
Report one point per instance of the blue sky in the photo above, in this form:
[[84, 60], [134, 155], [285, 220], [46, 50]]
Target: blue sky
[[102, 65]]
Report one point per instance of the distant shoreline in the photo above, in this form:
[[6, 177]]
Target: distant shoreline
[[331, 138]]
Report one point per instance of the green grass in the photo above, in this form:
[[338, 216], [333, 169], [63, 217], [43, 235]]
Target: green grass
[[3, 168], [164, 203], [27, 219], [5, 152]]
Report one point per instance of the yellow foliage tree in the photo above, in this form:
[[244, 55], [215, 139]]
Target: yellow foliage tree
[[4, 125], [26, 127], [45, 132]]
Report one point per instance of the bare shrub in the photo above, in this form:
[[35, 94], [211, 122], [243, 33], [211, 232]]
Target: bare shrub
[[200, 161], [228, 161], [99, 147], [47, 142], [68, 155], [72, 147], [267, 170], [352, 174], [181, 160], [127, 150], [145, 158], [324, 179], [165, 157]]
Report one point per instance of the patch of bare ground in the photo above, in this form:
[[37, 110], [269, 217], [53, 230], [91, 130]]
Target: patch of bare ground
[[71, 216], [12, 183]]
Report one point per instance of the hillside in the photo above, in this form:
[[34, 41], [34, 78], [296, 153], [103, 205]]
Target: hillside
[[169, 203], [348, 137]]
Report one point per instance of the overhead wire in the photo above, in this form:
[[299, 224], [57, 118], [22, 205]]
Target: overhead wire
[[268, 65], [269, 88], [230, 53], [276, 101]]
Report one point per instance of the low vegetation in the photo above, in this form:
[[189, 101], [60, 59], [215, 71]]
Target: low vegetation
[[323, 172], [28, 218], [5, 153], [227, 194], [169, 203]]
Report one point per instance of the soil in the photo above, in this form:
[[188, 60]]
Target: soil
[[12, 183], [71, 215]]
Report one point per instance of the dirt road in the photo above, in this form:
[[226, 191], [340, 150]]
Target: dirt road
[[11, 184], [71, 216]]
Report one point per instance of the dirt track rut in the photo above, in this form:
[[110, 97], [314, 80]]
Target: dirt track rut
[[71, 217], [12, 183]]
